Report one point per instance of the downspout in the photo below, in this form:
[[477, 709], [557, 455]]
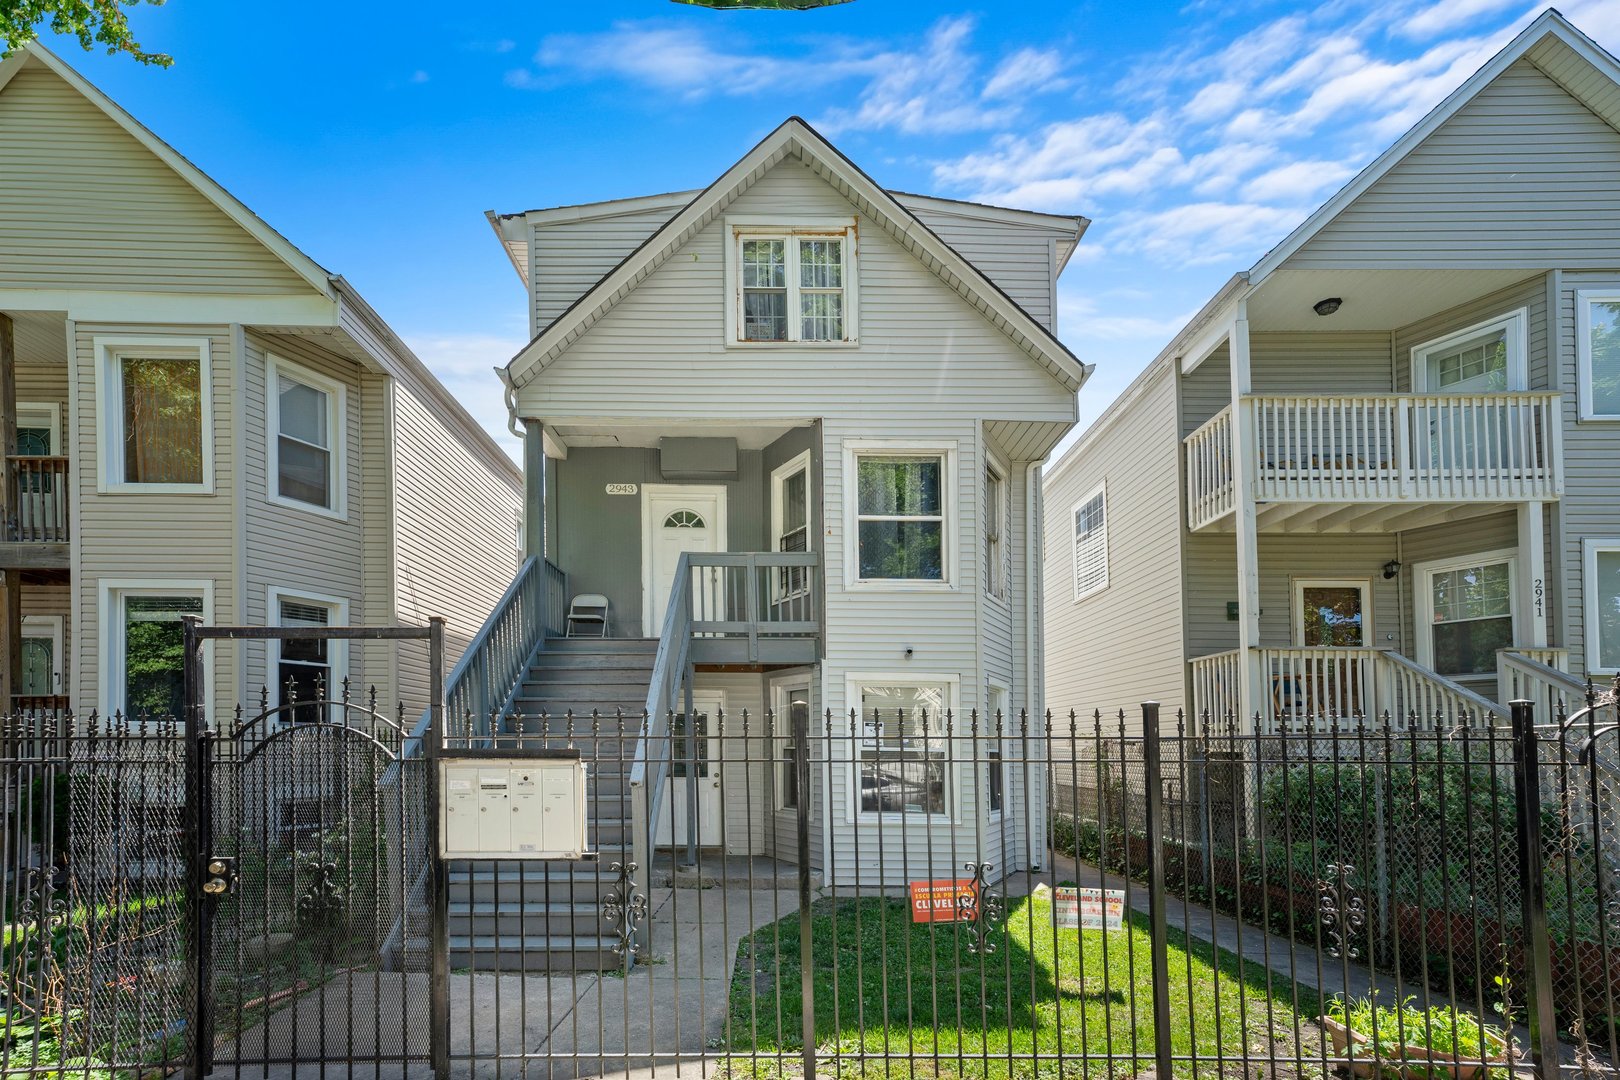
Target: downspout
[[1034, 689]]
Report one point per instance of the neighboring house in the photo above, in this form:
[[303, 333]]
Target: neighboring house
[[1381, 469], [199, 419], [832, 400]]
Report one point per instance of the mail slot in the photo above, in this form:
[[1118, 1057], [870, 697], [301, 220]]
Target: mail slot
[[512, 808]]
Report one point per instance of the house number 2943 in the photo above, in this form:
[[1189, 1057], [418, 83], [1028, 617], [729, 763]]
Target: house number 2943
[[621, 489]]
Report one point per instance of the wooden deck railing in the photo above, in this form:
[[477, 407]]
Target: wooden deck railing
[[36, 492], [1541, 676], [1381, 448], [1329, 684]]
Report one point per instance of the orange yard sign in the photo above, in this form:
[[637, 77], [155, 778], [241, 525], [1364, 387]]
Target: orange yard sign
[[944, 901]]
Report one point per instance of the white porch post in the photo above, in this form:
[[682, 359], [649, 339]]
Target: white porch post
[[1251, 680], [1532, 584]]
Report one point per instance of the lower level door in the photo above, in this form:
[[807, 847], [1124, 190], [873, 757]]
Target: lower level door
[[694, 771]]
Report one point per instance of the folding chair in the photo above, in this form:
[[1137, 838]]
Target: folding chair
[[589, 609]]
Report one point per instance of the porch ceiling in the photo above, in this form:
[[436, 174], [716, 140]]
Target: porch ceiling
[[41, 337], [1340, 517], [1373, 299], [642, 433]]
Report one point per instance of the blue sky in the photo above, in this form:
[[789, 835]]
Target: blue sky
[[1195, 136]]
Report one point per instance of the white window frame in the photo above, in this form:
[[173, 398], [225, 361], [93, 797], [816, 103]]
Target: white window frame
[[48, 626], [1590, 548], [1074, 542], [30, 413], [337, 411], [111, 594], [1583, 348], [110, 353], [779, 587], [994, 689], [781, 739], [853, 681], [743, 228], [337, 650], [1515, 324], [1423, 612], [1297, 614], [998, 564], [854, 450]]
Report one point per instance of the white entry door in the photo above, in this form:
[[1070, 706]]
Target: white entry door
[[676, 518], [694, 769]]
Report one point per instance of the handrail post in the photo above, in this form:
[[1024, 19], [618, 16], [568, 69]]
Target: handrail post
[[1533, 892], [1158, 918], [439, 877]]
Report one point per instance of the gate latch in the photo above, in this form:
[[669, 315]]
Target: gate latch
[[219, 876]]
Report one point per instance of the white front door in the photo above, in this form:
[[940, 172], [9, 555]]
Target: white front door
[[676, 518], [694, 770]]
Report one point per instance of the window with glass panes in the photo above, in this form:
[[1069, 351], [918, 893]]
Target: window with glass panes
[[161, 412], [1091, 544], [900, 516], [1598, 355], [304, 423], [793, 287], [792, 708], [792, 513], [1602, 586], [1472, 609], [304, 666], [153, 653], [904, 758]]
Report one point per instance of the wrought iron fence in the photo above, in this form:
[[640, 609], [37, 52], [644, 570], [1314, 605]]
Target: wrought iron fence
[[880, 894]]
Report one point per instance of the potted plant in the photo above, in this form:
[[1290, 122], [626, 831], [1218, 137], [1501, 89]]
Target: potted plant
[[1409, 1043]]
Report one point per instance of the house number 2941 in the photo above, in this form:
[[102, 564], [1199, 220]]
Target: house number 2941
[[1540, 594]]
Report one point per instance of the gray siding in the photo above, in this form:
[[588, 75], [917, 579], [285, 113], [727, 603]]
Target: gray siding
[[567, 258], [1299, 363], [1020, 259], [1591, 503], [88, 207], [1530, 294], [1123, 645], [1523, 175]]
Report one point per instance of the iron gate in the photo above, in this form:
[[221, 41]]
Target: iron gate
[[256, 896]]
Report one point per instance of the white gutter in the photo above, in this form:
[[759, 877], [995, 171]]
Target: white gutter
[[1034, 689]]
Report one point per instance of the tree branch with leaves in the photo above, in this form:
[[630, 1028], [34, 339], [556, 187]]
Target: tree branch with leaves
[[93, 22]]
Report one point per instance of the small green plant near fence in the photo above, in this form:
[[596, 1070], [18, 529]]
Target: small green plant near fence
[[1404, 1041]]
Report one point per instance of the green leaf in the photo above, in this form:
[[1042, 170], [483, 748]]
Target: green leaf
[[93, 22]]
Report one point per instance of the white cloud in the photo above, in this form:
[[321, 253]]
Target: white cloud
[[1297, 182], [1206, 232], [1447, 15], [1025, 71]]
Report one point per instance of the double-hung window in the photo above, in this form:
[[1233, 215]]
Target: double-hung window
[[1601, 584], [156, 418], [1091, 544], [790, 521], [1597, 353], [306, 429], [997, 564], [791, 707], [793, 284], [900, 510], [904, 756], [1469, 606]]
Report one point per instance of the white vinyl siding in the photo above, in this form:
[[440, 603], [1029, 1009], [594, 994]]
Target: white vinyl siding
[[1597, 353], [1090, 544], [1523, 176]]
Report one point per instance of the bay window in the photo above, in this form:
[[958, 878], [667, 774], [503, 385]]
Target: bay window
[[1597, 353], [792, 284], [904, 755]]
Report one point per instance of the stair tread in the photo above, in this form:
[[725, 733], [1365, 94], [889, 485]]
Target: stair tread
[[548, 942]]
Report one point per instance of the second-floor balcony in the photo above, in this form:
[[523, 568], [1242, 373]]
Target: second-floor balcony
[[1376, 449], [34, 518]]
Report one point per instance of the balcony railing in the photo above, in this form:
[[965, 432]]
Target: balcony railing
[[1331, 684], [36, 509], [1381, 448]]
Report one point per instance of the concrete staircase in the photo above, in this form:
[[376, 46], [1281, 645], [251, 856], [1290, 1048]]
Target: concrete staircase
[[540, 916]]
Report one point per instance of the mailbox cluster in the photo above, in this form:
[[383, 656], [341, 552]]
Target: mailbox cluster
[[513, 808]]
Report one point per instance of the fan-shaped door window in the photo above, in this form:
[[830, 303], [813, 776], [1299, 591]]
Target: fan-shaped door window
[[685, 519]]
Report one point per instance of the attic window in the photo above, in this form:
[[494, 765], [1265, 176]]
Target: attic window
[[793, 284]]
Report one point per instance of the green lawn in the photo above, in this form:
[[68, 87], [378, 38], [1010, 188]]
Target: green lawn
[[1090, 993]]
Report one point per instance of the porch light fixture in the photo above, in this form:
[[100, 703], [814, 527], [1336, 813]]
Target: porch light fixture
[[1391, 568], [1327, 306]]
